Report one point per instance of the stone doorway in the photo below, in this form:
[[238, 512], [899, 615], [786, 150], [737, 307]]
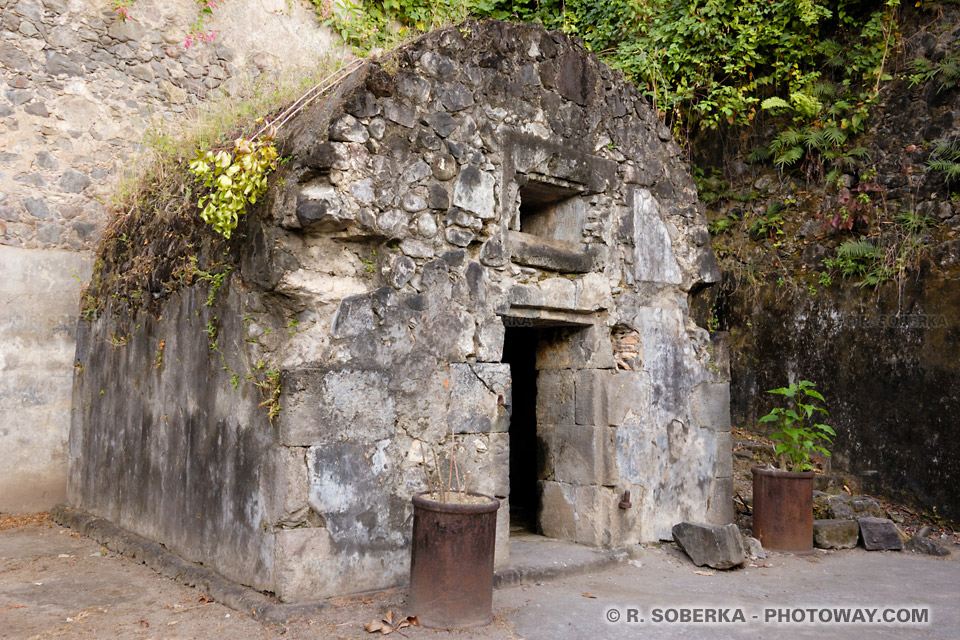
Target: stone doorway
[[528, 344], [526, 452]]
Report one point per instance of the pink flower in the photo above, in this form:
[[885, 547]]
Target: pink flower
[[210, 4]]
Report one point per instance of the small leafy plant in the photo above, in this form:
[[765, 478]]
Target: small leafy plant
[[799, 433], [234, 179]]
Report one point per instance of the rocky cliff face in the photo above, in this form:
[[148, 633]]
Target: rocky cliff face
[[883, 355]]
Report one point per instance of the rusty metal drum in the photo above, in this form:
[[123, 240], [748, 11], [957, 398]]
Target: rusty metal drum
[[783, 510], [451, 564]]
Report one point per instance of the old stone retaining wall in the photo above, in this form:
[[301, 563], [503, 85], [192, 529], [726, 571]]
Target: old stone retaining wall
[[78, 88]]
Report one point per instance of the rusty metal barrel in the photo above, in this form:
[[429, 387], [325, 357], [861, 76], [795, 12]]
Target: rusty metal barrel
[[451, 564], [783, 510]]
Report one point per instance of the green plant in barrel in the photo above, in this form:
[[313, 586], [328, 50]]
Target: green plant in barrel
[[799, 432]]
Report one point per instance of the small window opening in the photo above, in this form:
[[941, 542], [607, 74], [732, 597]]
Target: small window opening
[[551, 211]]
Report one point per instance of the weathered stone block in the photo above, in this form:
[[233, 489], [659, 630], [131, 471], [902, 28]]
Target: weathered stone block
[[555, 397], [724, 444], [286, 486], [584, 455], [473, 192], [626, 393], [558, 512], [710, 404], [591, 397], [835, 534], [322, 406], [753, 548], [720, 501], [586, 348], [720, 547], [535, 251], [486, 457], [501, 553], [864, 506], [593, 293], [594, 508], [879, 534], [841, 511], [480, 397], [653, 259], [558, 293]]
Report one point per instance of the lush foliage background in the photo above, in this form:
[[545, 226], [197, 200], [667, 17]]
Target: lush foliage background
[[814, 66]]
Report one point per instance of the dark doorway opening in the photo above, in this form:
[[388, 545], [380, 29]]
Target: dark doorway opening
[[526, 453]]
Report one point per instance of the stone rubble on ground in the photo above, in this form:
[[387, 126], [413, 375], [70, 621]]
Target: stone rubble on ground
[[716, 546], [835, 534], [879, 534]]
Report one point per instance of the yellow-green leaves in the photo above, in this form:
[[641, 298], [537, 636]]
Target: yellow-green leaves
[[234, 180]]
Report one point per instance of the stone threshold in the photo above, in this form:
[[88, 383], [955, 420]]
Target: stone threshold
[[534, 559]]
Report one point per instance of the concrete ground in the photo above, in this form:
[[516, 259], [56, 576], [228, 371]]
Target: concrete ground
[[55, 583]]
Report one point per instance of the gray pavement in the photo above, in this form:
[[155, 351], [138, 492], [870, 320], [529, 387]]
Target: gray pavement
[[55, 583]]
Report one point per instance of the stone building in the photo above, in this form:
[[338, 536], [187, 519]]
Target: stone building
[[487, 237]]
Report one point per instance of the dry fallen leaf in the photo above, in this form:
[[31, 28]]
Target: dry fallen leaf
[[204, 599], [705, 573], [387, 624], [144, 623], [589, 595]]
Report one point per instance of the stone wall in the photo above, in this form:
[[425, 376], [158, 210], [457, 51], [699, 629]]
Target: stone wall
[[78, 88], [483, 177]]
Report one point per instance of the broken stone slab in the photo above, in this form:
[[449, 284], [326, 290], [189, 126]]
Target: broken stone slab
[[921, 544], [879, 534], [835, 534], [717, 546]]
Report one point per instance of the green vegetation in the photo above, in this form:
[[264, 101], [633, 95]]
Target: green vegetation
[[813, 66], [233, 180], [945, 158], [799, 434], [946, 71]]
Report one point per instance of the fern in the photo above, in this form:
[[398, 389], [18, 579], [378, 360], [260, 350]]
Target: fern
[[835, 135], [788, 157], [858, 250], [759, 154], [774, 103], [833, 175], [945, 158], [815, 139], [859, 152]]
